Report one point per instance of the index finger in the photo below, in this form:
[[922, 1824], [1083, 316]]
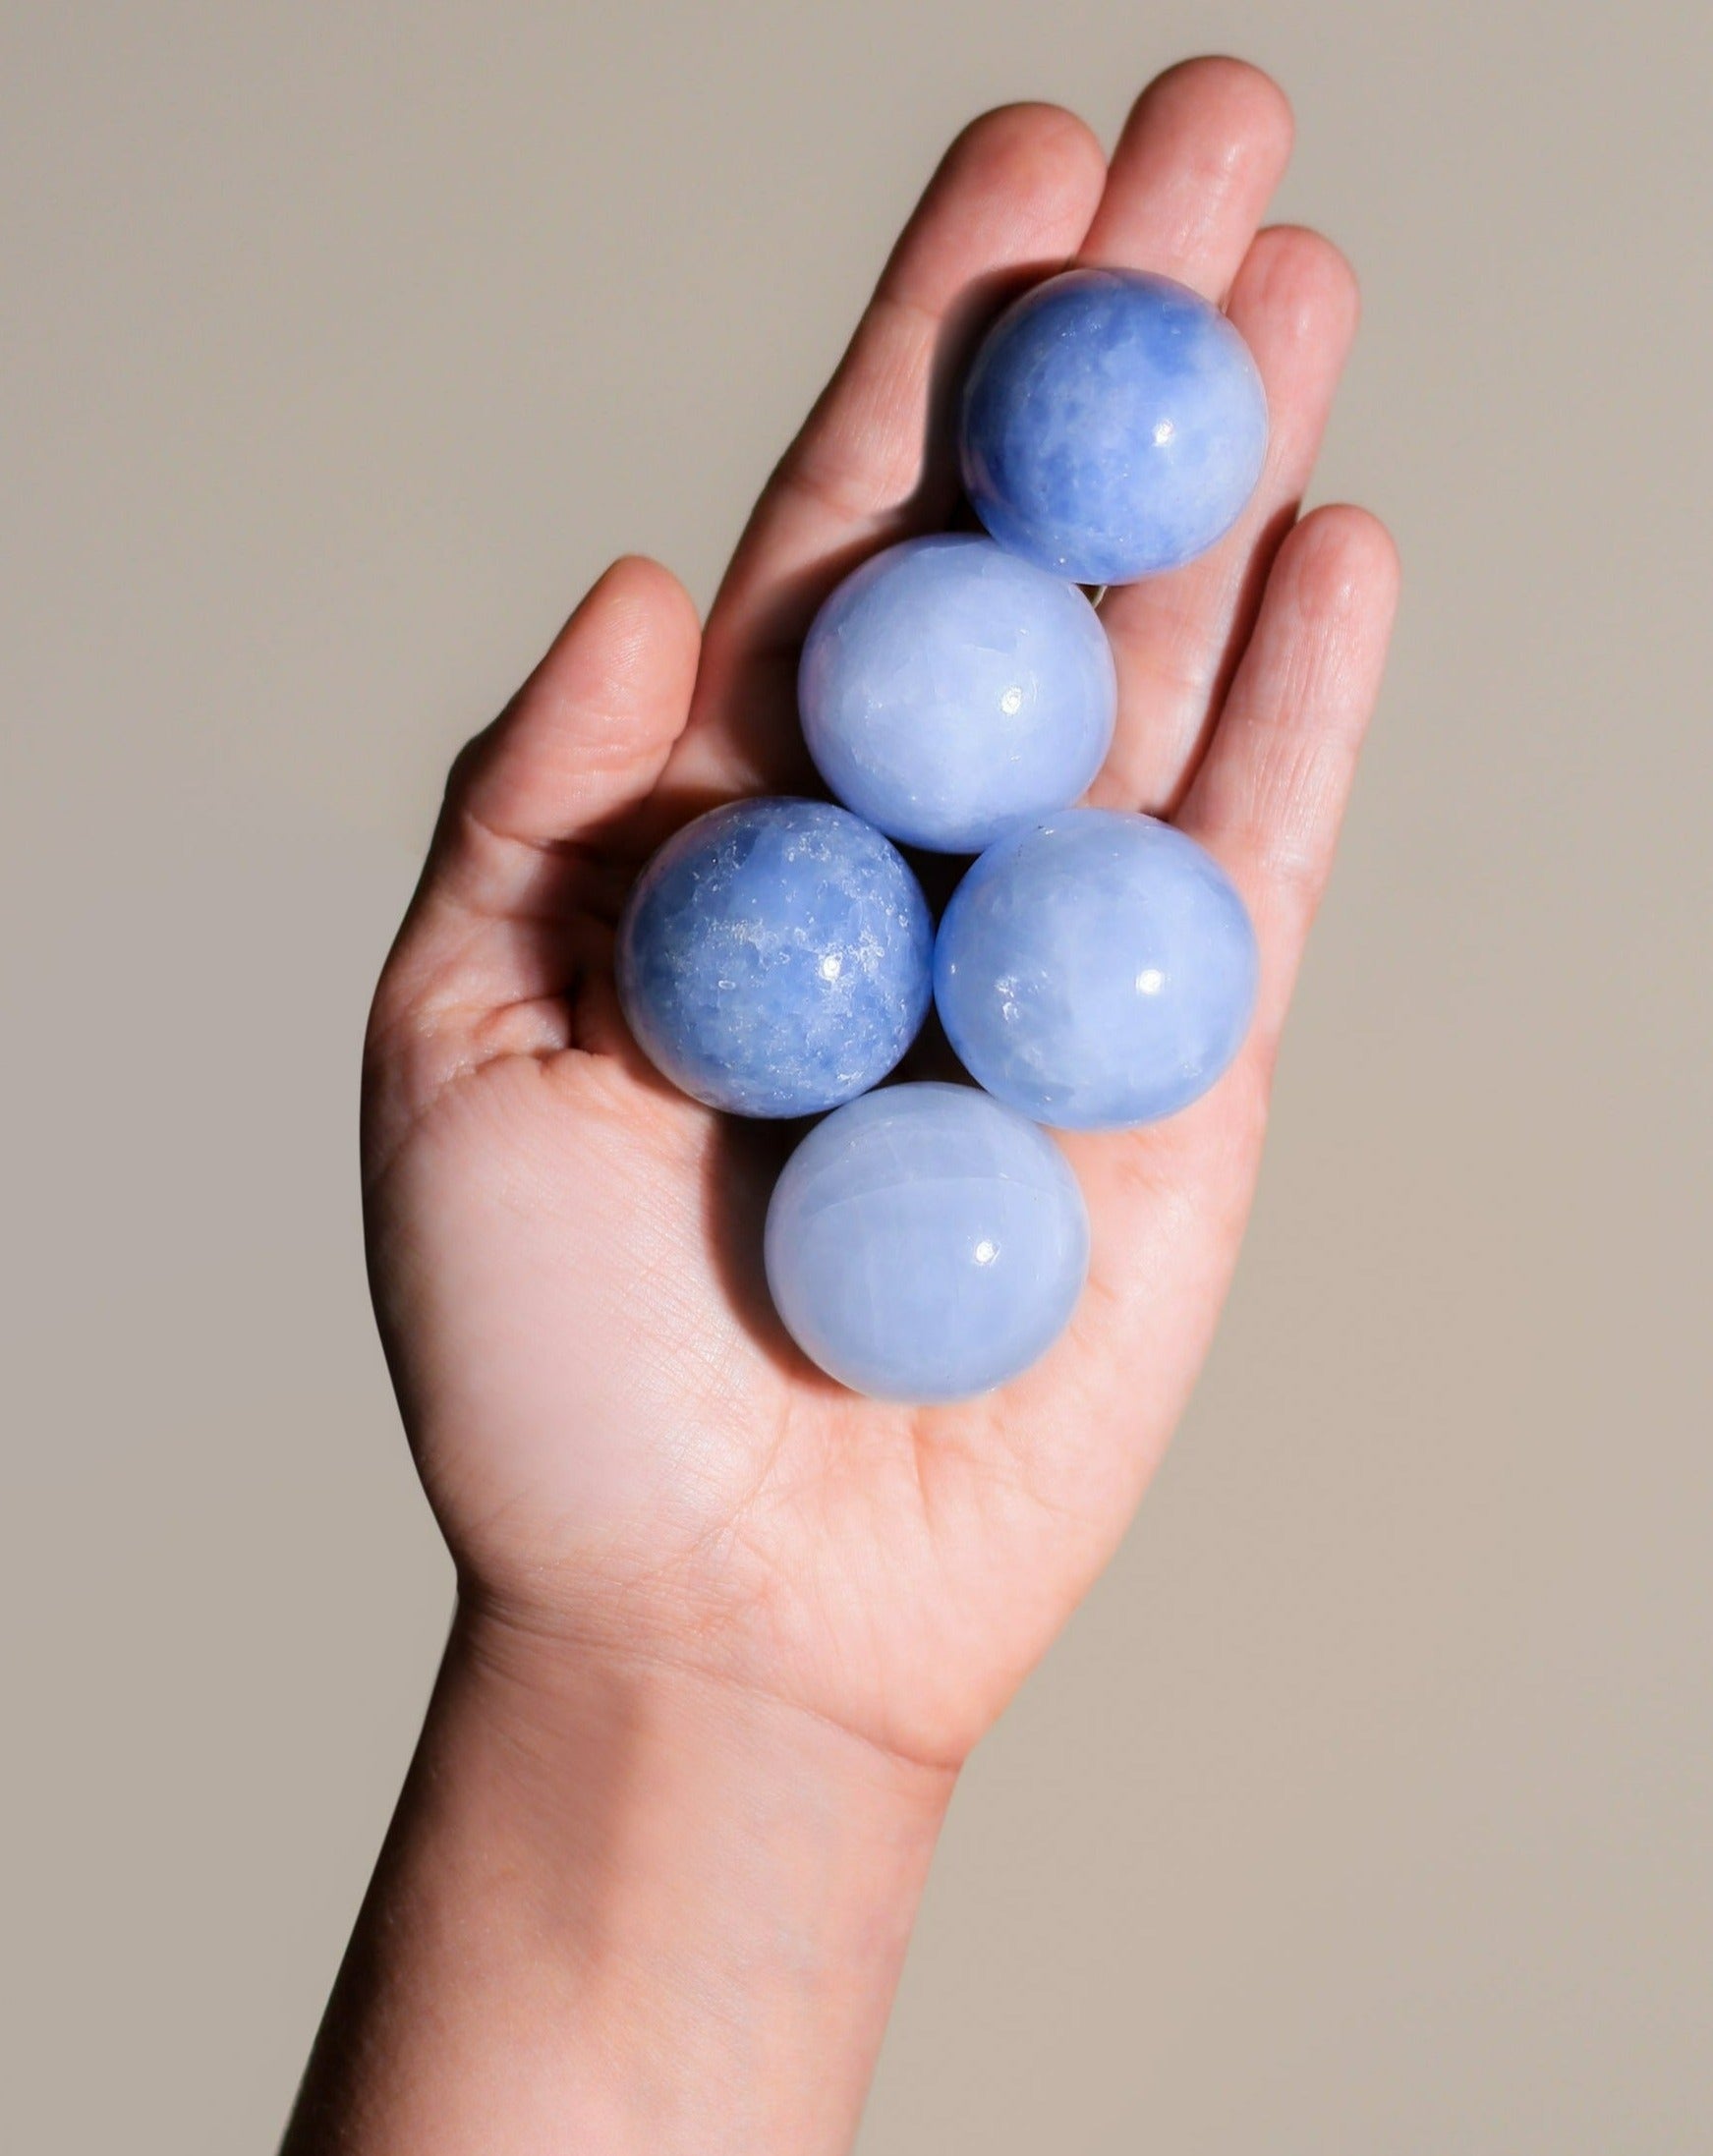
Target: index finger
[[1012, 197]]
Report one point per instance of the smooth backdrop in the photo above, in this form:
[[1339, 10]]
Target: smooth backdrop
[[1368, 1804]]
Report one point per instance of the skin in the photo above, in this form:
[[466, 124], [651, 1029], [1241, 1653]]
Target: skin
[[726, 1632]]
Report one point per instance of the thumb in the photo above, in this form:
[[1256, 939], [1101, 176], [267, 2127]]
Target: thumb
[[576, 749], [584, 740]]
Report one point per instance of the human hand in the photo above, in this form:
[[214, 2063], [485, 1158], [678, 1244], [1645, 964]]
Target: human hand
[[626, 1453], [725, 1630]]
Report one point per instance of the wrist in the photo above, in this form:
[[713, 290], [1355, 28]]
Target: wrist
[[549, 1692], [728, 1883], [650, 1909]]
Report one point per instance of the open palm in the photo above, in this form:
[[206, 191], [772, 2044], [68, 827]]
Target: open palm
[[621, 1443]]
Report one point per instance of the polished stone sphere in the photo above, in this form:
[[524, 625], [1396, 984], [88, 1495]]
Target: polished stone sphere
[[1096, 970], [926, 1244], [775, 957], [1114, 426], [949, 691]]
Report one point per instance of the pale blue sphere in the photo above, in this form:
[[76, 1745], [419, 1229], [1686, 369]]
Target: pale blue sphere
[[1114, 426], [1096, 970], [949, 691], [775, 957], [926, 1244]]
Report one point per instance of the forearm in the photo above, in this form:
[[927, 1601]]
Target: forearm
[[620, 1909]]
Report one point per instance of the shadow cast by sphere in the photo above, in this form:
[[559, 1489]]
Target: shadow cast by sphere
[[742, 1165]]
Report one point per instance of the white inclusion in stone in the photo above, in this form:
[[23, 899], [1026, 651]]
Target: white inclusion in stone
[[1163, 433], [1011, 703], [987, 1250], [829, 966], [1150, 980]]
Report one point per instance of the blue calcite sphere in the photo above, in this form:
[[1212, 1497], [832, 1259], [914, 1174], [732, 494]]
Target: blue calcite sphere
[[949, 691], [1114, 426], [1096, 970], [775, 957], [926, 1244]]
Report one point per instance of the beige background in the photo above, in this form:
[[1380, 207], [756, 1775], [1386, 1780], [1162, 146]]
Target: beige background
[[1368, 1805]]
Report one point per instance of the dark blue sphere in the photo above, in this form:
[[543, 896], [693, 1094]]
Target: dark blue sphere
[[1114, 426], [775, 957]]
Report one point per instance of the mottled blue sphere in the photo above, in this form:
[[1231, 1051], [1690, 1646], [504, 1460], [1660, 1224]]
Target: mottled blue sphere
[[775, 957], [1095, 971], [1114, 426], [950, 691], [926, 1243]]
